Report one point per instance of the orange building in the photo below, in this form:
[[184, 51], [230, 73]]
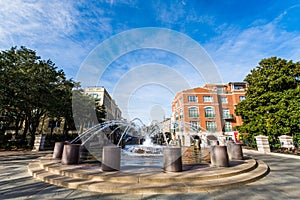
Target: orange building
[[208, 109]]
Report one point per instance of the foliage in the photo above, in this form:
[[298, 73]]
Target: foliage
[[272, 102], [31, 88]]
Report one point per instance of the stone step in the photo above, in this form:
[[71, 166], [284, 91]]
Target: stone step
[[127, 176], [183, 187], [38, 172]]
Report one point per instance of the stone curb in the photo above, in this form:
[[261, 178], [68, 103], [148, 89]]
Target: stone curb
[[53, 166], [131, 183], [271, 154]]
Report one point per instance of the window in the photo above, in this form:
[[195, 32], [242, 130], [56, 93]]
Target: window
[[228, 127], [192, 99], [193, 112], [176, 115], [242, 98], [180, 101], [207, 98], [209, 112], [226, 113], [211, 126], [94, 95], [238, 87], [194, 126], [224, 100], [181, 114], [219, 90]]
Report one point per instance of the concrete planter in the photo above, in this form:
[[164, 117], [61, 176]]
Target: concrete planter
[[172, 159], [58, 150], [70, 154], [111, 158], [235, 151], [262, 143], [219, 156]]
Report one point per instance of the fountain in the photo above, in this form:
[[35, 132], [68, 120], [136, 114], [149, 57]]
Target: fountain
[[108, 144], [132, 166], [112, 143], [147, 148]]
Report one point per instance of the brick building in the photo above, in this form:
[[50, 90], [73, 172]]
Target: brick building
[[207, 109]]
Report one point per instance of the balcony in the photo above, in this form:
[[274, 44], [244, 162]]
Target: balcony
[[228, 117]]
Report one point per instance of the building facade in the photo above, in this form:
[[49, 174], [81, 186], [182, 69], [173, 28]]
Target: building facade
[[207, 109], [100, 93]]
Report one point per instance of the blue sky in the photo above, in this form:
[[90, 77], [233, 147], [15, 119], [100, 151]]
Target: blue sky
[[235, 34]]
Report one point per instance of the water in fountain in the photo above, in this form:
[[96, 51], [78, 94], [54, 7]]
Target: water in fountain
[[116, 133], [146, 154], [147, 148]]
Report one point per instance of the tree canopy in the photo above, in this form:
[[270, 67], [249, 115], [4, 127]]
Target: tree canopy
[[30, 88], [272, 104]]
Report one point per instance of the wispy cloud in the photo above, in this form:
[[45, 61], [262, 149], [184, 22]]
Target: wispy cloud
[[236, 39], [37, 19], [59, 30], [237, 51]]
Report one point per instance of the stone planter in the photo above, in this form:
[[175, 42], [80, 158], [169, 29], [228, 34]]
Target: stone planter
[[172, 159], [58, 150], [111, 158], [219, 156], [262, 143], [235, 151], [286, 141], [70, 154]]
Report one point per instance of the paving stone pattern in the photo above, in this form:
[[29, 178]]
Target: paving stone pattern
[[283, 182]]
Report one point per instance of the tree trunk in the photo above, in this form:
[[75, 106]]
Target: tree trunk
[[65, 130], [43, 123], [52, 127], [26, 128], [17, 126]]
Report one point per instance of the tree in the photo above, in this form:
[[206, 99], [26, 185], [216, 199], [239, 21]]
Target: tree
[[30, 88], [272, 102], [100, 111]]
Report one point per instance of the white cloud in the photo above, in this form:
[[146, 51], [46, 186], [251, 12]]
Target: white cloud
[[30, 21], [56, 29], [236, 51]]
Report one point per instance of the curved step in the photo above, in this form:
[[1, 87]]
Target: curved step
[[95, 173], [52, 172]]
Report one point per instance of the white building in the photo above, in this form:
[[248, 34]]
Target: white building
[[112, 110]]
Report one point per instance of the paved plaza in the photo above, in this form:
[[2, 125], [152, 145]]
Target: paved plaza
[[283, 182]]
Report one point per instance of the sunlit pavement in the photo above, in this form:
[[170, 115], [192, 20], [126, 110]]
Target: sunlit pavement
[[283, 182]]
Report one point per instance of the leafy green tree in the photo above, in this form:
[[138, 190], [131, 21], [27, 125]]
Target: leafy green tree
[[100, 111], [272, 102], [31, 88]]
